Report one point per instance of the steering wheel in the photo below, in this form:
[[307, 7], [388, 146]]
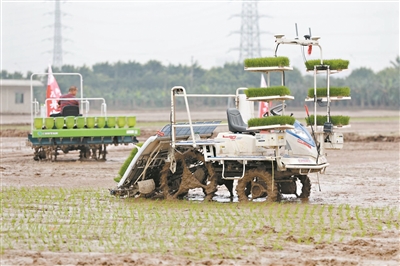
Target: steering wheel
[[275, 110]]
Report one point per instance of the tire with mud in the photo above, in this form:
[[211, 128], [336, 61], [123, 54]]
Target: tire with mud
[[40, 154], [257, 183], [176, 185], [306, 189], [170, 182]]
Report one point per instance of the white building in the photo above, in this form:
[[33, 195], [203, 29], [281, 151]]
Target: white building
[[15, 95]]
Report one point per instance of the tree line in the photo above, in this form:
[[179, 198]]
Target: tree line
[[131, 85]]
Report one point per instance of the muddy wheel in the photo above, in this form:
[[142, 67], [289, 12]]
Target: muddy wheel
[[176, 185], [214, 180], [103, 152], [257, 183], [306, 189], [56, 153], [40, 154], [289, 187], [50, 153], [170, 182], [211, 187]]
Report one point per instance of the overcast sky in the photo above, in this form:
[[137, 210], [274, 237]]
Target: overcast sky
[[176, 32]]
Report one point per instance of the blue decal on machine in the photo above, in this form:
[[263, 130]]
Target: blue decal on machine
[[301, 132]]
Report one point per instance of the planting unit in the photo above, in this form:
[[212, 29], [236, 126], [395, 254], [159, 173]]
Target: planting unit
[[90, 135], [267, 156], [324, 125]]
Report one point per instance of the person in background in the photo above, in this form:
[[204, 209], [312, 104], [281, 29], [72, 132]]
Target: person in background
[[73, 90]]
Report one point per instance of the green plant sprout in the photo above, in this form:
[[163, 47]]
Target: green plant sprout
[[73, 220], [333, 92], [279, 61], [270, 91]]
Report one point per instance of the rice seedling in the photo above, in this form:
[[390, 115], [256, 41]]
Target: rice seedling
[[172, 227], [333, 91], [267, 62], [337, 120], [277, 246], [270, 91], [271, 120], [334, 64]]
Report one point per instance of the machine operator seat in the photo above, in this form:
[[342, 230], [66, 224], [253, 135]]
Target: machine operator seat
[[70, 110], [236, 123]]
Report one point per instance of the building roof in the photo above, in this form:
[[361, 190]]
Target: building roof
[[20, 82]]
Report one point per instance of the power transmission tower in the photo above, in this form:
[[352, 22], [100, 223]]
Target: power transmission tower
[[57, 48], [249, 31]]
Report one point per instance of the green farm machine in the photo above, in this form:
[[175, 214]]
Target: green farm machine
[[76, 130]]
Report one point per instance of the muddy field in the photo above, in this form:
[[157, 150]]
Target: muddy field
[[365, 173]]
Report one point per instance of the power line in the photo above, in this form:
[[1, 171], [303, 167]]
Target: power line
[[57, 46], [249, 31]]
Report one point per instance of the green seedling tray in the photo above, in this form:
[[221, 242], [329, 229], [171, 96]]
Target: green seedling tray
[[270, 91], [336, 120], [127, 162], [280, 61], [271, 120], [333, 91], [95, 132], [334, 64]]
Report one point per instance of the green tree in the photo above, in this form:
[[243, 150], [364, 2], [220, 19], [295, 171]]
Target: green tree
[[362, 83]]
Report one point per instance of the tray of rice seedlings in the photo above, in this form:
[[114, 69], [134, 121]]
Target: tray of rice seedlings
[[271, 122], [127, 162], [335, 93], [336, 120], [268, 94], [266, 64], [334, 64]]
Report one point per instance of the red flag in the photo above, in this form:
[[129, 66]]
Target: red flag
[[262, 106], [53, 92]]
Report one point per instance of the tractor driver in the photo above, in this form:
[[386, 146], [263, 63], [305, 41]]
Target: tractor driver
[[73, 90]]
